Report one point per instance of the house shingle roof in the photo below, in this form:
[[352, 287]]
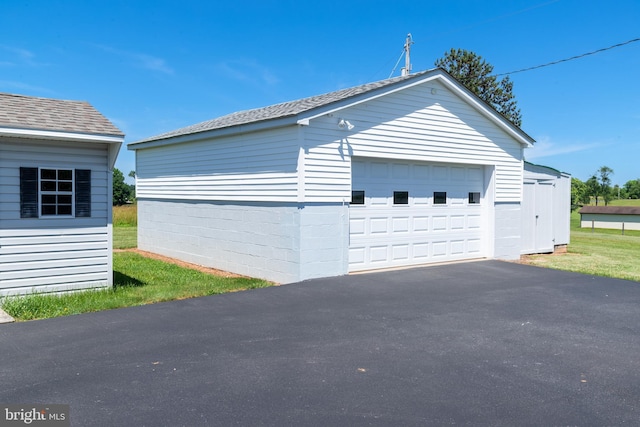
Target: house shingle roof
[[27, 112], [611, 210], [282, 110]]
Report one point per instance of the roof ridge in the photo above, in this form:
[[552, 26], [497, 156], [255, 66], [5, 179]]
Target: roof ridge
[[281, 109]]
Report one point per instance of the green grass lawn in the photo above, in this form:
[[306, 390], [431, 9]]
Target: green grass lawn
[[601, 252], [137, 281], [125, 237]]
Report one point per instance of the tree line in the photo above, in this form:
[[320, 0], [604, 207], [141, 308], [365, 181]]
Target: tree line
[[598, 189], [123, 193]]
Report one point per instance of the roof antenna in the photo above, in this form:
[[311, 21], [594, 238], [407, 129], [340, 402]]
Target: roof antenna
[[406, 51], [407, 55]]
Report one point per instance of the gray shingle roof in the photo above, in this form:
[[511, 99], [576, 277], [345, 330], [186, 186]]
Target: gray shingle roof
[[285, 109], [27, 112]]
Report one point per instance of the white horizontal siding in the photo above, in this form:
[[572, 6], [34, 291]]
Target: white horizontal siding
[[631, 222], [413, 124], [50, 260], [53, 254], [257, 166]]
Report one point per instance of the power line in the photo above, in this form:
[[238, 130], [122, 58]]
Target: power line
[[570, 59]]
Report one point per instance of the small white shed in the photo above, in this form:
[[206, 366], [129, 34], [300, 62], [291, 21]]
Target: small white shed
[[400, 172], [56, 165], [613, 217], [546, 209]]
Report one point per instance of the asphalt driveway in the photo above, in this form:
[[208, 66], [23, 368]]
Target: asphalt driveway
[[483, 343]]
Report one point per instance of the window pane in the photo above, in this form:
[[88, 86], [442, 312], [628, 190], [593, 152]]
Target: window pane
[[357, 197], [64, 200], [48, 174], [48, 186], [65, 186], [65, 175], [48, 199], [48, 209], [439, 197], [400, 197], [474, 198], [64, 210]]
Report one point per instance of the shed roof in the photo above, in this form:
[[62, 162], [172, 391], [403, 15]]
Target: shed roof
[[611, 210], [45, 114], [297, 107]]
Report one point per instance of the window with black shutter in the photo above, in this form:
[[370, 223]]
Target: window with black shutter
[[48, 192], [28, 192], [83, 193]]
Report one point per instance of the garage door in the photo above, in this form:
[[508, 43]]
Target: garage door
[[408, 213]]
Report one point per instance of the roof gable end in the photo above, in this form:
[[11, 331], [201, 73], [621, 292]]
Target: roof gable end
[[303, 110]]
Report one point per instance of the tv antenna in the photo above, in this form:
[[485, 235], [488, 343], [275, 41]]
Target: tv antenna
[[406, 52]]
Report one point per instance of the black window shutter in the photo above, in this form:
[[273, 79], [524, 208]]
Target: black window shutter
[[28, 192], [83, 193]]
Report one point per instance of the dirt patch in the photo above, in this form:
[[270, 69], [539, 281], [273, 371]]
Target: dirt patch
[[537, 259], [200, 268]]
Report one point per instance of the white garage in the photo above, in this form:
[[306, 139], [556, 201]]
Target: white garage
[[406, 213], [404, 171]]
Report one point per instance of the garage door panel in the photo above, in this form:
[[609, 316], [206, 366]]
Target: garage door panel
[[474, 222], [420, 223], [457, 247], [379, 225], [439, 223], [400, 252], [474, 246], [400, 225], [384, 234], [457, 222], [357, 257], [440, 248], [421, 251], [379, 253], [357, 226]]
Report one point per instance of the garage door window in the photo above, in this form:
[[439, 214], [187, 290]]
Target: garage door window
[[400, 197], [474, 198], [357, 197], [439, 197]]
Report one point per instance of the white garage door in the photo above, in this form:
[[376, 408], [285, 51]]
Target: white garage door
[[408, 213]]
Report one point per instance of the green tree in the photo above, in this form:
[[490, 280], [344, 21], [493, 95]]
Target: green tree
[[604, 179], [475, 74], [632, 189], [593, 188], [579, 193], [121, 191]]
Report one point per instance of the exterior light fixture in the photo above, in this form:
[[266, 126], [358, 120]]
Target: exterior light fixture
[[345, 124]]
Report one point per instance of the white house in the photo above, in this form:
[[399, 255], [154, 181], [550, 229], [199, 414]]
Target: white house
[[546, 209], [404, 171], [56, 164]]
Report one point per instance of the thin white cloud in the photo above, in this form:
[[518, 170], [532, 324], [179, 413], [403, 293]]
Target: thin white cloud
[[12, 86], [249, 71], [545, 147], [141, 60], [19, 56]]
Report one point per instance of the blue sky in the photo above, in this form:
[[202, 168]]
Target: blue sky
[[154, 66]]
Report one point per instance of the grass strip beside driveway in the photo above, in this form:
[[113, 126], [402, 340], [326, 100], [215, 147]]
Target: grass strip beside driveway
[[600, 252], [138, 280]]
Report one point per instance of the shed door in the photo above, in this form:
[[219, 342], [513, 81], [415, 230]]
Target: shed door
[[409, 213], [537, 217]]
